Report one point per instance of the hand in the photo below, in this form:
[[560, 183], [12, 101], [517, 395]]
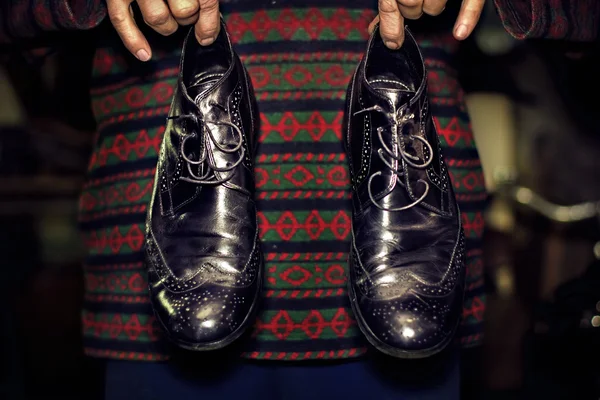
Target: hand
[[164, 17], [393, 12]]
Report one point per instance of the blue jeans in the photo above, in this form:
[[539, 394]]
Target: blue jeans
[[246, 380]]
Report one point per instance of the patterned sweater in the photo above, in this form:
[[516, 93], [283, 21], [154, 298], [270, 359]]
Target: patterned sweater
[[300, 55]]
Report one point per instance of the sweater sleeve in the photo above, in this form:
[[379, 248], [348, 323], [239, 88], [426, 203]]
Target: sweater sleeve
[[28, 19], [573, 20]]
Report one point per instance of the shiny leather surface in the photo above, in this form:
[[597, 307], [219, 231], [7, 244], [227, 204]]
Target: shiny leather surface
[[203, 255], [406, 268]]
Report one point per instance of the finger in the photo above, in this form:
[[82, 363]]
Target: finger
[[434, 7], [411, 9], [208, 25], [121, 17], [469, 14], [373, 24], [185, 12], [391, 24], [157, 15]]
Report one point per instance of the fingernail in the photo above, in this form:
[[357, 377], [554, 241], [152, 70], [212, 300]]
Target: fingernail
[[207, 41], [461, 31], [391, 45], [142, 55]]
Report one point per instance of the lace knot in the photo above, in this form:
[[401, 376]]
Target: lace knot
[[396, 154], [211, 175]]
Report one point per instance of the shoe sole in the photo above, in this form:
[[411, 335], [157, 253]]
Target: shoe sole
[[384, 347], [236, 334]]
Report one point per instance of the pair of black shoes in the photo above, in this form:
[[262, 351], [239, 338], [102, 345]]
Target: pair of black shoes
[[205, 268]]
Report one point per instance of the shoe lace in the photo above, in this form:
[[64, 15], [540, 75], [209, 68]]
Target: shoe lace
[[397, 154], [202, 125]]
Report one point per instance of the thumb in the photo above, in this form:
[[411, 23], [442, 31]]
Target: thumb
[[391, 24], [208, 25]]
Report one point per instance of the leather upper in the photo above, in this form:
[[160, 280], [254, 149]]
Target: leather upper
[[407, 260], [202, 249]]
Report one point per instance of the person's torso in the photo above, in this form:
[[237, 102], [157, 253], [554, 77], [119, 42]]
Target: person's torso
[[300, 56]]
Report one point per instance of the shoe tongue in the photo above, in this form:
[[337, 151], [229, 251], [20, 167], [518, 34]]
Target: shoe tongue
[[202, 82], [396, 92], [203, 66], [398, 97]]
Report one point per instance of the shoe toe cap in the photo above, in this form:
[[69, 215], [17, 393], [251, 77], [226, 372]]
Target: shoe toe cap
[[411, 325], [209, 307], [204, 317], [412, 306]]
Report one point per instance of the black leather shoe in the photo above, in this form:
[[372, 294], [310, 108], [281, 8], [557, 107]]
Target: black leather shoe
[[406, 267], [202, 246]]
